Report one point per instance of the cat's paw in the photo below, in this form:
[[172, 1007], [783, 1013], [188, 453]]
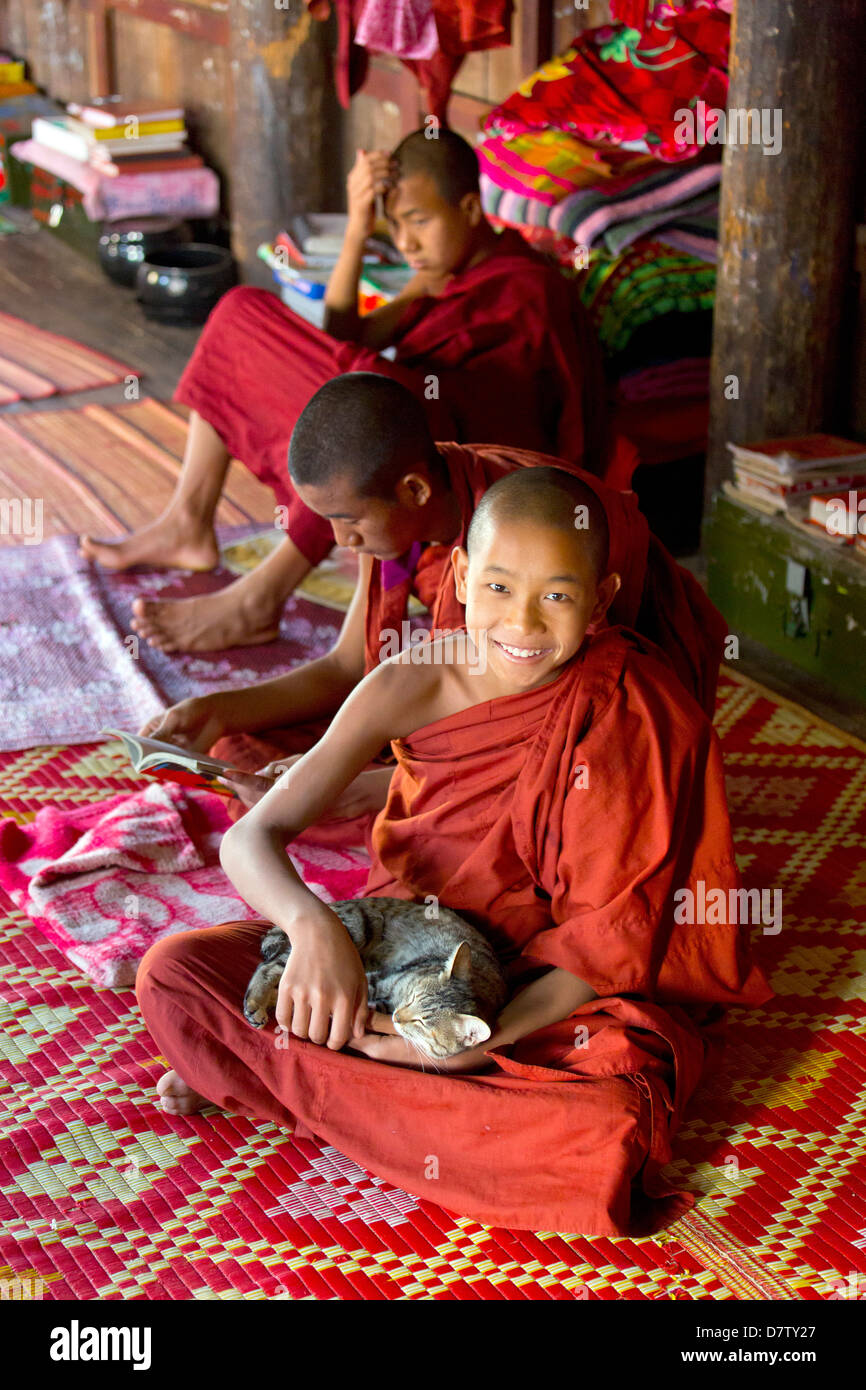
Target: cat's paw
[[255, 1014]]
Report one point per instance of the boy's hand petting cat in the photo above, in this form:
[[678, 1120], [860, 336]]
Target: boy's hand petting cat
[[383, 1047], [323, 991]]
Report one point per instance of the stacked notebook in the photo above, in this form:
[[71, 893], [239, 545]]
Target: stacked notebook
[[776, 471], [840, 515], [12, 80], [818, 481], [118, 135]]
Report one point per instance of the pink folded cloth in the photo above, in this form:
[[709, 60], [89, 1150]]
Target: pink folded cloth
[[687, 376], [404, 27], [103, 882], [177, 193]]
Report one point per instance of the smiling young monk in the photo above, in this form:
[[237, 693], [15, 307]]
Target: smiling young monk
[[486, 334], [558, 798], [362, 457]]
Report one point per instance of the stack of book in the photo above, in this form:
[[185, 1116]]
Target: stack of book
[[781, 475], [117, 135], [839, 515], [13, 83]]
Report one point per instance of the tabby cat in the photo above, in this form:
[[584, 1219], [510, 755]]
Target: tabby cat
[[437, 976]]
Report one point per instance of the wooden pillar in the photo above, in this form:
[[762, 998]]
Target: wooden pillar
[[286, 125], [787, 223]]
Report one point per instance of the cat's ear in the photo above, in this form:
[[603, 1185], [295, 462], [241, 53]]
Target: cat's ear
[[460, 964], [473, 1030]]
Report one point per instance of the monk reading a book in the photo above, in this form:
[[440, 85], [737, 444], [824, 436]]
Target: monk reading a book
[[362, 457], [558, 799], [487, 334]]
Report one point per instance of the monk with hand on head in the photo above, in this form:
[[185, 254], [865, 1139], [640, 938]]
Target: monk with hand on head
[[556, 786], [363, 460], [487, 335]]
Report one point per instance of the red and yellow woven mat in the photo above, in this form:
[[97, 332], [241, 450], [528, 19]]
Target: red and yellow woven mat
[[103, 470], [35, 363], [104, 1196]]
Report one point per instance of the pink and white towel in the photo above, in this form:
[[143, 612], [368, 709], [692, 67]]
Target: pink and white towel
[[104, 882], [406, 28]]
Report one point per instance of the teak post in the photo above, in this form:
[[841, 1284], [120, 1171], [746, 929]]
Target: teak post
[[285, 124], [787, 223]]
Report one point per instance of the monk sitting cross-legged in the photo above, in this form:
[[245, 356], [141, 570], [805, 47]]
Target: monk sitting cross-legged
[[556, 786], [487, 334]]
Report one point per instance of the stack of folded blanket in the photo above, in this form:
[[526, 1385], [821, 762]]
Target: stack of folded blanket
[[594, 161]]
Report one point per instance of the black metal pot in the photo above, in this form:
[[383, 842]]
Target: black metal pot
[[124, 246], [182, 285]]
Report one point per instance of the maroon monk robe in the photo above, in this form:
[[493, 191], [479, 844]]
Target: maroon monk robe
[[508, 343], [561, 821]]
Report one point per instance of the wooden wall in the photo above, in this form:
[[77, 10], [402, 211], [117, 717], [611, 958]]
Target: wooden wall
[[388, 106], [178, 49], [66, 42]]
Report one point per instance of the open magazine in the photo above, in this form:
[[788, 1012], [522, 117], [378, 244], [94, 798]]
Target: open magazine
[[153, 758]]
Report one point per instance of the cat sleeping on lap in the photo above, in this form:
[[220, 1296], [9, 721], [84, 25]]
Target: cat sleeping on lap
[[437, 976]]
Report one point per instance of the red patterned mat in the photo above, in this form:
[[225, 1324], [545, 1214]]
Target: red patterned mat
[[35, 363], [102, 470], [104, 1196]]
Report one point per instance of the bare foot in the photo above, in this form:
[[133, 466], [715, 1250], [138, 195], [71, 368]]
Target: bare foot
[[176, 1097], [239, 615], [174, 541]]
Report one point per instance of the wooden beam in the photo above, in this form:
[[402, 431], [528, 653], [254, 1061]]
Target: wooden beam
[[536, 33], [209, 23], [787, 223], [393, 82], [286, 156], [98, 48]]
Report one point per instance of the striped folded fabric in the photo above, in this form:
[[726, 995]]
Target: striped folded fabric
[[650, 279], [623, 234], [522, 183], [589, 212], [548, 165]]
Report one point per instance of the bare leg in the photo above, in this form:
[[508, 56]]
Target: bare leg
[[176, 1097], [183, 537], [241, 615]]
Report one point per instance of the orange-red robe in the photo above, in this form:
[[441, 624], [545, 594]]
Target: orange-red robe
[[508, 344], [561, 821]]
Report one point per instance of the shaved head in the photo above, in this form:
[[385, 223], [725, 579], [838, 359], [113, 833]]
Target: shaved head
[[448, 159], [364, 430], [549, 497]]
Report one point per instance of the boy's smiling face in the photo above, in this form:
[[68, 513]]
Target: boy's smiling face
[[531, 592]]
